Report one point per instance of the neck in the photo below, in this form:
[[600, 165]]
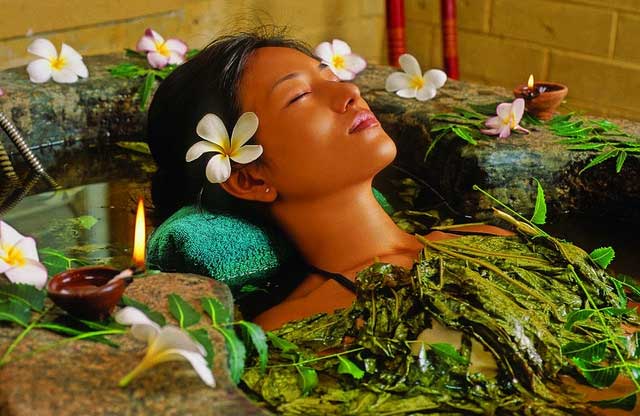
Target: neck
[[343, 231]]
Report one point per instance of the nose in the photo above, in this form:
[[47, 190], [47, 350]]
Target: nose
[[346, 95]]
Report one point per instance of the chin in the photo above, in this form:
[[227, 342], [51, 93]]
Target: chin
[[384, 153]]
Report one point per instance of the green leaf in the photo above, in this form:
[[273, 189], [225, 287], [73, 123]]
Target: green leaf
[[622, 295], [130, 53], [259, 340], [627, 402], [149, 80], [464, 133], [577, 316], [127, 70], [308, 379], [236, 350], [23, 293], [249, 288], [622, 156], [281, 343], [86, 221], [540, 212], [155, 316], [593, 353], [595, 375], [191, 53], [599, 159], [202, 336], [349, 367], [219, 314], [74, 332], [587, 146], [12, 311], [603, 256], [184, 313], [56, 261], [530, 119], [447, 350], [140, 147]]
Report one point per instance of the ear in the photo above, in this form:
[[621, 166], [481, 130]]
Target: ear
[[248, 182]]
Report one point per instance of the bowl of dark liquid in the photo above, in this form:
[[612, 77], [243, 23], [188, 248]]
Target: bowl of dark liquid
[[86, 292]]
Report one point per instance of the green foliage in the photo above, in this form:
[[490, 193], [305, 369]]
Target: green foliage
[[577, 316], [154, 315], [218, 313], [12, 311], [597, 376], [202, 336], [184, 313], [627, 402], [24, 294], [592, 353], [281, 343], [259, 340], [56, 261], [448, 351], [349, 367], [87, 221], [140, 147], [603, 256], [236, 350], [308, 379], [540, 212]]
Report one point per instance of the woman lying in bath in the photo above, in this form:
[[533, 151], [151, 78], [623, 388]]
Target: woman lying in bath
[[309, 169]]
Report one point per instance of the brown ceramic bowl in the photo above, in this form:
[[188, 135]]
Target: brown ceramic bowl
[[83, 292], [544, 105]]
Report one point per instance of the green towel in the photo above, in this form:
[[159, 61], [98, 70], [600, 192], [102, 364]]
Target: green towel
[[227, 248]]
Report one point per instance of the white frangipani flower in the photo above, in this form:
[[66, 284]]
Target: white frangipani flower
[[507, 119], [161, 52], [167, 343], [19, 258], [412, 83], [63, 68], [337, 55], [216, 139]]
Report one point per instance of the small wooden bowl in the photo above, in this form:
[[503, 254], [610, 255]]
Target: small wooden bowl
[[84, 292], [544, 104]]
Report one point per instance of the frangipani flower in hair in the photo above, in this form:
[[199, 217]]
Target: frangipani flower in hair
[[161, 52], [212, 130], [337, 55], [412, 83], [508, 118], [65, 67], [19, 258]]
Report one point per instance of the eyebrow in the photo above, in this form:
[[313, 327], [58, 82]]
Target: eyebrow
[[292, 75]]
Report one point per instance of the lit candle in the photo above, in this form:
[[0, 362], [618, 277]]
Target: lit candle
[[139, 237], [530, 82]]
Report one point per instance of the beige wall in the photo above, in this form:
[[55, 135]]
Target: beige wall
[[593, 46]]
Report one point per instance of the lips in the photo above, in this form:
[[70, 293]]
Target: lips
[[363, 120]]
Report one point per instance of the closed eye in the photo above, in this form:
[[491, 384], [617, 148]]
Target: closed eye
[[297, 97]]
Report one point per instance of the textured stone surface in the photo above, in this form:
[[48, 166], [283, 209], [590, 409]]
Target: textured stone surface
[[80, 377]]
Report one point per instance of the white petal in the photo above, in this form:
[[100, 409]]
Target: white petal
[[435, 77], [212, 129], [69, 54], [491, 132], [324, 51], [244, 129], [343, 74], [175, 58], [43, 48], [32, 273], [176, 45], [504, 111], [157, 60], [521, 129], [340, 47], [28, 248], [172, 337], [409, 64], [218, 169], [146, 44], [517, 108], [39, 70], [397, 81], [133, 316], [203, 146], [64, 76], [79, 68], [9, 235], [407, 93], [154, 35], [504, 131], [247, 154], [199, 363], [493, 122], [145, 332], [425, 93], [355, 63]]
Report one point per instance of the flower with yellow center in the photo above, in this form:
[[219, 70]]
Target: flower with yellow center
[[338, 57], [507, 119], [216, 139], [161, 52], [64, 68], [168, 343], [412, 83], [19, 258]]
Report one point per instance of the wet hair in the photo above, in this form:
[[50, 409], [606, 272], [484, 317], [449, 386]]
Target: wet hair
[[206, 83]]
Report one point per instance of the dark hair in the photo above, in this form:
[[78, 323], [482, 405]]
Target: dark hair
[[206, 83]]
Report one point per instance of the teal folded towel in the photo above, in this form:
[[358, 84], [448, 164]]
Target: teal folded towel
[[225, 247]]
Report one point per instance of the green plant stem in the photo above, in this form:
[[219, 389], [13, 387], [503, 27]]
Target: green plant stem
[[324, 357], [453, 226], [5, 357], [465, 249]]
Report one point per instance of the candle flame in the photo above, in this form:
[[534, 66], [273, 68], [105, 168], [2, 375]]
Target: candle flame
[[530, 82], [139, 239]]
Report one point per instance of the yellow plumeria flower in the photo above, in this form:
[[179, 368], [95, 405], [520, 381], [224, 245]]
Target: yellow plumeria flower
[[338, 57], [167, 343], [63, 68], [216, 139], [19, 258], [412, 83]]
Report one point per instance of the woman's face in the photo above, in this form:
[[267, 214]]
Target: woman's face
[[306, 124]]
